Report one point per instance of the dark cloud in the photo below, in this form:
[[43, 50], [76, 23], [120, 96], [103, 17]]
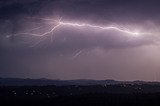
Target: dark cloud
[[118, 53]]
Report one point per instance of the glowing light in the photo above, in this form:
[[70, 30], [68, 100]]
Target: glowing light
[[77, 54], [100, 27], [59, 23]]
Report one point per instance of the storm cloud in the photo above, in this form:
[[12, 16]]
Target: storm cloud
[[80, 52]]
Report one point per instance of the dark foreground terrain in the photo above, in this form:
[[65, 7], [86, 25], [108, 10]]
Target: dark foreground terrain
[[81, 95]]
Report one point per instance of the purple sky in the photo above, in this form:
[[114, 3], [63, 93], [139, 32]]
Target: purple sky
[[80, 52]]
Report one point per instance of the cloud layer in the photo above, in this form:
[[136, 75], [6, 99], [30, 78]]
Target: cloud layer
[[80, 52]]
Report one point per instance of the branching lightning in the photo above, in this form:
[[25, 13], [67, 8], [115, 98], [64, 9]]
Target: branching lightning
[[59, 23]]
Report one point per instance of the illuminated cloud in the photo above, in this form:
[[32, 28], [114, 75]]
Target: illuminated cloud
[[71, 39]]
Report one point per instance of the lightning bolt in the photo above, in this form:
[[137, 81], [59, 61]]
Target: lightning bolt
[[59, 23], [99, 27], [77, 54]]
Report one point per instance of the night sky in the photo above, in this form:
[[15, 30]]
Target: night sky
[[75, 52]]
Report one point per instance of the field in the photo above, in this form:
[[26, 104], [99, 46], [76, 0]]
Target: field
[[74, 95]]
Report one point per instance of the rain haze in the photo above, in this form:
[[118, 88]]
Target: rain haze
[[80, 39]]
